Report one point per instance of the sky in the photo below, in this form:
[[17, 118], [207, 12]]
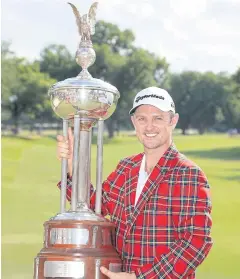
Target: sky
[[199, 35]]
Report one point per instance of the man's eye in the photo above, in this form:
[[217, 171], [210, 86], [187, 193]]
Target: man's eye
[[159, 118], [140, 119]]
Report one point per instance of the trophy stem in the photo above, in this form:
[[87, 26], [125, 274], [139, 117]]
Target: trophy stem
[[89, 168], [99, 167], [75, 162], [84, 166], [64, 171]]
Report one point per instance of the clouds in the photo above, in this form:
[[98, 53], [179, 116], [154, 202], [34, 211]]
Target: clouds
[[188, 8], [195, 35]]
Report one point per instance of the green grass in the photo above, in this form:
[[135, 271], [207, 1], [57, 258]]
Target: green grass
[[30, 172]]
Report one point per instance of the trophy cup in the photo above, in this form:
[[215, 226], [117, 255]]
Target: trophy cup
[[78, 241]]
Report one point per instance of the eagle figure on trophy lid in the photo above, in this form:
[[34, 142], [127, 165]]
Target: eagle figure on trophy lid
[[86, 23]]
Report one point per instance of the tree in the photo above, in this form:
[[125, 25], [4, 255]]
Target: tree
[[209, 93], [231, 102], [9, 71], [182, 89], [236, 77], [24, 88], [109, 34], [58, 62], [198, 97]]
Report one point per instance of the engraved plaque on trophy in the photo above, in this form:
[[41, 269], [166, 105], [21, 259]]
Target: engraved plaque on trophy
[[78, 241]]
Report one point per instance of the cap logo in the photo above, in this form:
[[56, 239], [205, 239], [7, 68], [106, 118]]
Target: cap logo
[[149, 96]]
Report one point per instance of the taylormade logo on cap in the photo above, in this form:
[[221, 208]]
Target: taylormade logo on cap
[[148, 96], [156, 97]]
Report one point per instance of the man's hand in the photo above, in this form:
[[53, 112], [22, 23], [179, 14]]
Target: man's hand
[[117, 275], [65, 149]]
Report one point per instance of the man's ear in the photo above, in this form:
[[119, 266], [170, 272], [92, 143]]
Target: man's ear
[[175, 120], [133, 120]]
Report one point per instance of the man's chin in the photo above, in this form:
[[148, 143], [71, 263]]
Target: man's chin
[[151, 146]]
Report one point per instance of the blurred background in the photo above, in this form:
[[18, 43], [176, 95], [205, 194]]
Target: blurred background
[[190, 48]]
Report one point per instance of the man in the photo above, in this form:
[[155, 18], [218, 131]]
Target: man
[[159, 200]]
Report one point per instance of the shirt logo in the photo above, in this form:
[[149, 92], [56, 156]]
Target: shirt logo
[[149, 96]]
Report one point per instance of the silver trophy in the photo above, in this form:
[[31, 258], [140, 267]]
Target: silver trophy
[[78, 241]]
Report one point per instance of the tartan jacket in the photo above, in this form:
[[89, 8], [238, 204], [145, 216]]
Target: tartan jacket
[[167, 234]]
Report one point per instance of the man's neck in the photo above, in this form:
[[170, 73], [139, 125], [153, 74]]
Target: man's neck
[[154, 155]]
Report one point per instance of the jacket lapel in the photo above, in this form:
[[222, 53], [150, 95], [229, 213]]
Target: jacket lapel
[[155, 178], [130, 189]]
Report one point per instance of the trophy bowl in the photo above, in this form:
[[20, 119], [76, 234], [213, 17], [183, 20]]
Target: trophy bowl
[[90, 98]]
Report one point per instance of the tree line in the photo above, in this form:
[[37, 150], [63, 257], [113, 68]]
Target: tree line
[[203, 100]]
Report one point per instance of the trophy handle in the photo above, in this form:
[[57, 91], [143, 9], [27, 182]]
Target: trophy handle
[[75, 162], [64, 171], [99, 167]]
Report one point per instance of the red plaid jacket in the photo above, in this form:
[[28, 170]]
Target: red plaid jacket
[[167, 234]]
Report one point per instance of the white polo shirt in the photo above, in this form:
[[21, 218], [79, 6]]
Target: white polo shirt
[[142, 178]]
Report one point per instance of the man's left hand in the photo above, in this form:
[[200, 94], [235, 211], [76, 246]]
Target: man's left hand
[[117, 275]]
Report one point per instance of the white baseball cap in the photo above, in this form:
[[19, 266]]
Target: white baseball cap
[[154, 96]]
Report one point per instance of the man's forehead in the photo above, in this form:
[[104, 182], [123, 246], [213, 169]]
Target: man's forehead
[[148, 109]]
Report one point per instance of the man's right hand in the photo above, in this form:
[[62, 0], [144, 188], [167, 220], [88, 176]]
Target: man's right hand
[[65, 149]]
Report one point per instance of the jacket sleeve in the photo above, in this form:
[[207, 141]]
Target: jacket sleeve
[[107, 185], [192, 223], [68, 188]]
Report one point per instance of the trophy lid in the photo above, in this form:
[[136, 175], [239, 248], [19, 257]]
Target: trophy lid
[[83, 83]]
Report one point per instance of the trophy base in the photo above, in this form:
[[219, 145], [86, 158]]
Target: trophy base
[[81, 215], [76, 249], [74, 267]]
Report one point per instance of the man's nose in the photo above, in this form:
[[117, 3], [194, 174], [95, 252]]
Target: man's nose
[[149, 125]]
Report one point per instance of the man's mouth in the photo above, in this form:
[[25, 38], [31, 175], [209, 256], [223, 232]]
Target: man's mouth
[[150, 135]]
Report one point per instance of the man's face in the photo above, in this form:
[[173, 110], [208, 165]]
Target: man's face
[[153, 126]]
